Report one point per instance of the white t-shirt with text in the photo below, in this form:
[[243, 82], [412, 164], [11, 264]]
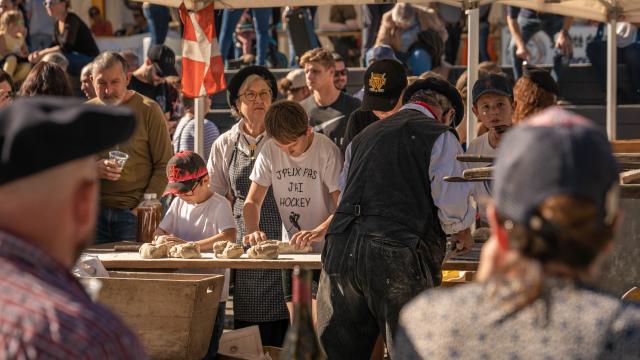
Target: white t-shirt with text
[[302, 186], [193, 222]]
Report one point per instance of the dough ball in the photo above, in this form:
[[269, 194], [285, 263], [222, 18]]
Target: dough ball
[[150, 251], [185, 251], [263, 251], [219, 247], [232, 251]]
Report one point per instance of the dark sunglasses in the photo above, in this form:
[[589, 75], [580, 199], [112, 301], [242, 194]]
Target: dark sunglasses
[[341, 72]]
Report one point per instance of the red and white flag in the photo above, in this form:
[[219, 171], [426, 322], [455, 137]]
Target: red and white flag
[[202, 66]]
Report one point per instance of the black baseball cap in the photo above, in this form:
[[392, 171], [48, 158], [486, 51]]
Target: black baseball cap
[[384, 82], [38, 133], [542, 78], [164, 59], [492, 84], [554, 152], [440, 86], [184, 170]]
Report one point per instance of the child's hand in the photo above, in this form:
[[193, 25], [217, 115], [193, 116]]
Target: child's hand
[[254, 237], [302, 239]]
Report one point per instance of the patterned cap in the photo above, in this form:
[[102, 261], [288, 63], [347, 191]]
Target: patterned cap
[[384, 82], [184, 170]]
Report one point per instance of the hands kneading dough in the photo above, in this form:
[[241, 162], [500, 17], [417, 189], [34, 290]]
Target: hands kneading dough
[[168, 240]]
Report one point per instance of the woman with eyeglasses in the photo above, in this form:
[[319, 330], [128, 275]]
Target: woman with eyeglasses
[[258, 298], [72, 38]]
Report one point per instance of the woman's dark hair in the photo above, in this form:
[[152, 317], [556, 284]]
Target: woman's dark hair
[[6, 77], [46, 79]]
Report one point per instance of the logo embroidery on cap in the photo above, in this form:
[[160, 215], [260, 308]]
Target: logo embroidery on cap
[[376, 82]]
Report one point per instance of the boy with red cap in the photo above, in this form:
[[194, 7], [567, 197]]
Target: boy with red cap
[[198, 215]]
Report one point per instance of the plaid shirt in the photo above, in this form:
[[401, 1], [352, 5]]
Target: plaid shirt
[[45, 312]]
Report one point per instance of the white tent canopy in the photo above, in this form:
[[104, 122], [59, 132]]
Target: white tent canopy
[[599, 10]]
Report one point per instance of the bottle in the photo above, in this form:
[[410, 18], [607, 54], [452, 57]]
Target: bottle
[[149, 216], [301, 341]]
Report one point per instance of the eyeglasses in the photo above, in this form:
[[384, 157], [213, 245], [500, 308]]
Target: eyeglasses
[[190, 192], [252, 96], [342, 72]]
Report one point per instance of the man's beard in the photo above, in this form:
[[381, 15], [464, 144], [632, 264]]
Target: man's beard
[[112, 100]]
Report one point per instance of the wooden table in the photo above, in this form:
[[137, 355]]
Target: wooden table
[[131, 260]]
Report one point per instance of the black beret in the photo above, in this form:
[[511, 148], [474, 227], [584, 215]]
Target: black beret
[[440, 86], [542, 78], [236, 81], [38, 133]]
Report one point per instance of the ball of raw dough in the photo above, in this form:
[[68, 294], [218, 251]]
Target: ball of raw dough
[[185, 251], [263, 251], [232, 251], [219, 247], [150, 251]]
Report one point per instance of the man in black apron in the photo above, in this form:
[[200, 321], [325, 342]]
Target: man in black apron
[[386, 243]]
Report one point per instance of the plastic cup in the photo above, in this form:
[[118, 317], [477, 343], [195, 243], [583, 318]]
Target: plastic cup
[[119, 157]]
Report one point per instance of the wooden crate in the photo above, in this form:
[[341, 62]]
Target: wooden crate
[[173, 314]]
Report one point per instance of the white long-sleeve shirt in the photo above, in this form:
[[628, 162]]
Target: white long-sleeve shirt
[[455, 210]]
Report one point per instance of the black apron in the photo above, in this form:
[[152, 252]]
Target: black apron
[[258, 295]]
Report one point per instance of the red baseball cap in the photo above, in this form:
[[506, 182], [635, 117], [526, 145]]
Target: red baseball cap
[[184, 170]]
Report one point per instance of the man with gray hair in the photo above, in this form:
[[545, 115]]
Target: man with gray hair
[[387, 240], [49, 187], [148, 150], [85, 81]]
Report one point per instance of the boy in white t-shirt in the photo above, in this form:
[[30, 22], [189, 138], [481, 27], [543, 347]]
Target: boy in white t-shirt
[[201, 216], [493, 105], [303, 168]]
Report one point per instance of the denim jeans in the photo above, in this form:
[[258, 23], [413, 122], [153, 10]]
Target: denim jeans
[[158, 18], [116, 225], [484, 41], [529, 27], [77, 61], [372, 16], [315, 43], [370, 271], [630, 55], [261, 21], [218, 328]]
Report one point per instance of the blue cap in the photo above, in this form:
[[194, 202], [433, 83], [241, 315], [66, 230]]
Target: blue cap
[[555, 152], [380, 52], [492, 84]]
